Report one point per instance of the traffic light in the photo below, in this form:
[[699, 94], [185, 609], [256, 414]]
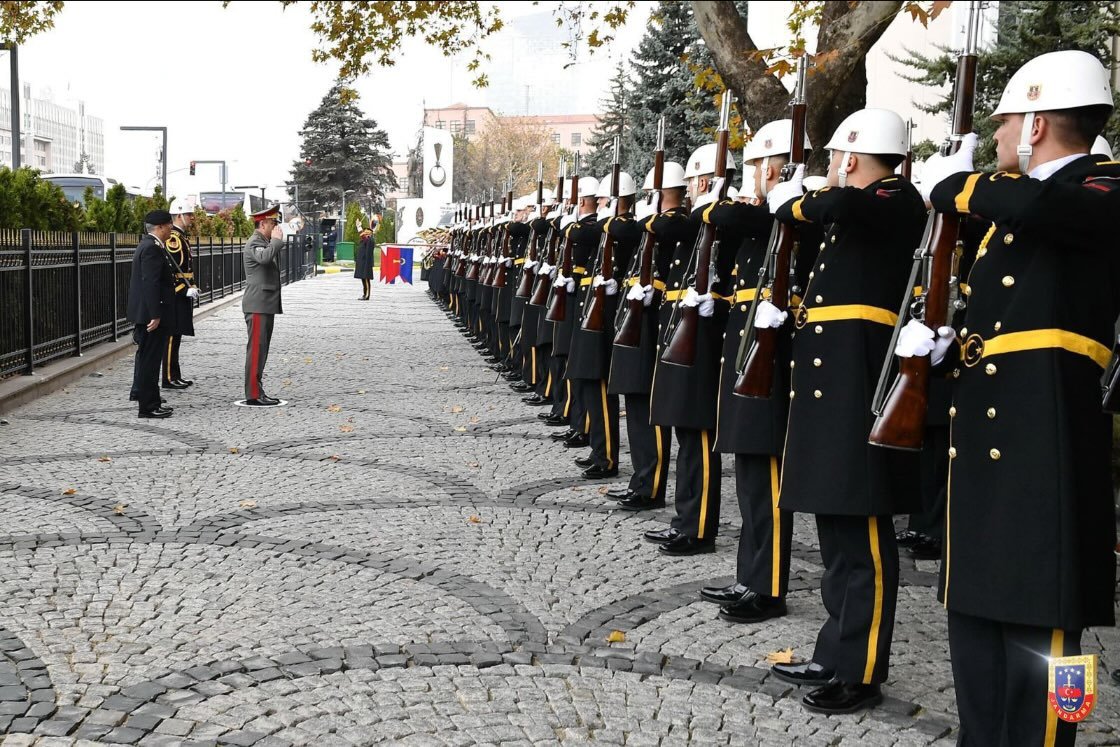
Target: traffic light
[[192, 168]]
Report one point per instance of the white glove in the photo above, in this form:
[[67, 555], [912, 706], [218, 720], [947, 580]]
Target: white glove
[[544, 269], [597, 281], [507, 262], [691, 298], [706, 303], [647, 295], [571, 285], [783, 192], [768, 316], [916, 339], [939, 168], [192, 292], [636, 293], [530, 264], [813, 183], [611, 286]]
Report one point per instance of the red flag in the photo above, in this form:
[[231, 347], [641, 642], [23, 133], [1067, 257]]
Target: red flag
[[390, 263]]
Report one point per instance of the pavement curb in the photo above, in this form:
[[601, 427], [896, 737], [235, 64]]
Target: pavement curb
[[18, 390]]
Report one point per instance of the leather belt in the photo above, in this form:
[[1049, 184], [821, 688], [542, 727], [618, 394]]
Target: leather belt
[[976, 348], [519, 261], [657, 284], [675, 295], [585, 281], [187, 275], [744, 296], [579, 270], [844, 313]]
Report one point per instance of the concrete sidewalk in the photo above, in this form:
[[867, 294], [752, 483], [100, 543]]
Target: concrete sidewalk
[[399, 555]]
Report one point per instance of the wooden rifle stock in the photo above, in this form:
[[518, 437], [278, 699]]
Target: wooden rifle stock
[[597, 300], [902, 420], [558, 307], [532, 252]]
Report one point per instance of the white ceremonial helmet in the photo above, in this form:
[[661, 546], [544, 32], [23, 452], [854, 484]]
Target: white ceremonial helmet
[[703, 161], [772, 139], [626, 186], [588, 187], [181, 206], [1052, 81], [672, 176], [874, 131], [1101, 148]]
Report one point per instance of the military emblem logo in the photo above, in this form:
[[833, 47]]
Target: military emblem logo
[[853, 135], [1072, 688], [769, 143], [1033, 92]]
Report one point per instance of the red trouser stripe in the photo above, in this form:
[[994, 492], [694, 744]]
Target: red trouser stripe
[[255, 358]]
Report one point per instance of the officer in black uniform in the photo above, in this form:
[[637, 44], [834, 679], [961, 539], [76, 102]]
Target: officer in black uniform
[[152, 308], [512, 307], [179, 248], [874, 220]]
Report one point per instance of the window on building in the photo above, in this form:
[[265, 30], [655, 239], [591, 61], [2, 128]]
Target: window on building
[[556, 138], [42, 154], [470, 127], [455, 127], [439, 124], [577, 138]]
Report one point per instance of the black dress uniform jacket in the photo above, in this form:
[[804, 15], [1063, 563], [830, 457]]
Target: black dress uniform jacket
[[1031, 523], [511, 308], [179, 247], [844, 328], [546, 330], [585, 242], [151, 287], [685, 396], [531, 315], [590, 356]]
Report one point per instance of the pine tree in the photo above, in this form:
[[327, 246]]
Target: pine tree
[[342, 150], [615, 120], [1026, 30]]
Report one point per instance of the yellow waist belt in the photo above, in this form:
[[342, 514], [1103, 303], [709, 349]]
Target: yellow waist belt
[[519, 261], [187, 275], [844, 313], [585, 281], [579, 270], [744, 296], [657, 284], [679, 294], [976, 348]]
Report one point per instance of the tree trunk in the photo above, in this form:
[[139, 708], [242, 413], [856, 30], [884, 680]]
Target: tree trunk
[[835, 89]]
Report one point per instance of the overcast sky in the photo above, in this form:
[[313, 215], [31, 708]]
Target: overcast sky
[[203, 71]]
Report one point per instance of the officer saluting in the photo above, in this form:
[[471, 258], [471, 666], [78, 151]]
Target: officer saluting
[[179, 248], [1028, 550], [261, 302]]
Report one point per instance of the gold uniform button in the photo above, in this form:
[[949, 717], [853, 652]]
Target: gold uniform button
[[822, 245], [676, 261], [1009, 238], [723, 360], [990, 369], [818, 329], [832, 239], [742, 332], [817, 362], [819, 299], [792, 364], [676, 285], [743, 307], [991, 413], [791, 394], [821, 267], [812, 275], [952, 412], [1008, 281], [725, 335], [742, 282], [994, 454], [952, 452], [818, 393], [964, 332], [997, 326]]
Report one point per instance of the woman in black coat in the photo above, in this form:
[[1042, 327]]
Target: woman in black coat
[[363, 258]]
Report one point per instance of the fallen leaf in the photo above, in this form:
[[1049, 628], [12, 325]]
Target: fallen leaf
[[603, 490], [456, 408], [461, 429], [69, 491], [104, 459], [361, 391], [334, 457], [473, 420], [785, 656], [234, 450], [334, 408], [616, 636], [286, 382], [306, 360], [346, 428], [247, 504], [443, 368], [474, 519], [119, 508], [473, 465]]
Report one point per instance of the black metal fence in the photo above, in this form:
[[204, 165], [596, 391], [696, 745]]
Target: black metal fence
[[63, 292]]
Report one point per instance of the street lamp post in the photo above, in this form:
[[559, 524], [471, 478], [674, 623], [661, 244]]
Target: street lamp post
[[163, 152], [17, 139]]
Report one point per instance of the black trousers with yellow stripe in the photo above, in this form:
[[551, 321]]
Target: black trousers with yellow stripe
[[1001, 676], [170, 363], [859, 590], [602, 418], [698, 484], [767, 533], [649, 449]]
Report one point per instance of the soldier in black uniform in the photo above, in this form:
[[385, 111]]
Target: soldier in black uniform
[[684, 397], [152, 308], [589, 363], [179, 249], [534, 359], [513, 308], [631, 372], [754, 429], [1028, 557], [874, 219]]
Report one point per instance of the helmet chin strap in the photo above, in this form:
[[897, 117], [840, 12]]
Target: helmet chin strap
[[842, 172], [764, 186], [1025, 151]]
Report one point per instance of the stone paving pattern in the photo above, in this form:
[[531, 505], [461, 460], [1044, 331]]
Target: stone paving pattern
[[398, 556]]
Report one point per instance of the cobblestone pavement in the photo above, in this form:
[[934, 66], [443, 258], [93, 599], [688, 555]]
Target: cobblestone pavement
[[400, 555]]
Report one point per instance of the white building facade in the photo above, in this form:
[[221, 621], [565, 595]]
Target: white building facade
[[57, 137]]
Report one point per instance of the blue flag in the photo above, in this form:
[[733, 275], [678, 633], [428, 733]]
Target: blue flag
[[406, 264]]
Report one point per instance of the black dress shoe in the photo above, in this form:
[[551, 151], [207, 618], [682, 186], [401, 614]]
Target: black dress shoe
[[536, 400], [578, 441], [493, 359], [599, 472], [684, 545], [660, 536], [512, 376], [584, 462], [908, 537], [521, 387], [161, 412], [619, 493], [185, 382], [268, 400], [563, 435], [806, 673], [753, 608], [639, 502], [927, 549], [724, 594], [174, 385], [555, 420], [544, 415], [841, 697], [262, 402]]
